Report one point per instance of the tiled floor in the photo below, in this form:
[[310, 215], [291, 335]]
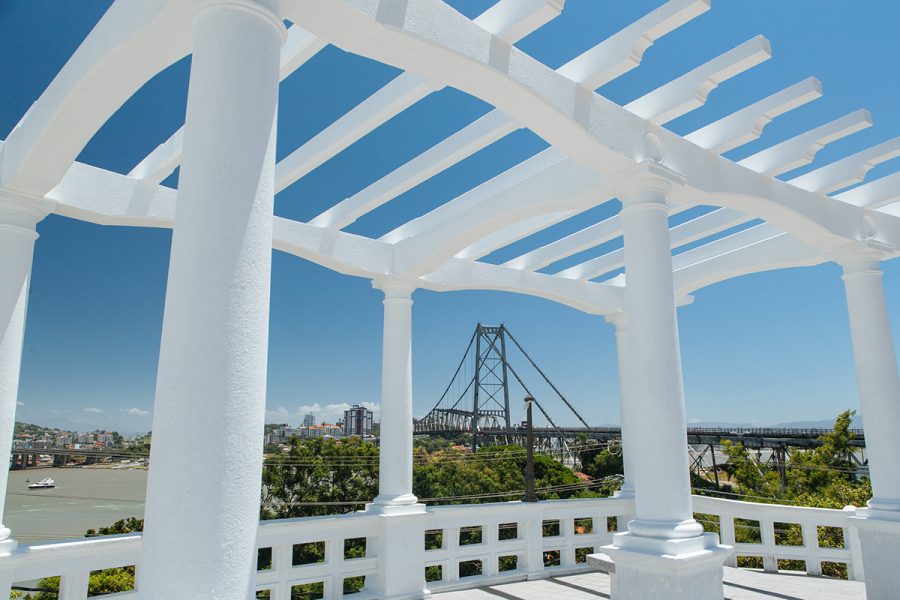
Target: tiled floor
[[740, 584]]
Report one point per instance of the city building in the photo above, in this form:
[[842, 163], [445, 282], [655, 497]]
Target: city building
[[309, 420], [358, 421]]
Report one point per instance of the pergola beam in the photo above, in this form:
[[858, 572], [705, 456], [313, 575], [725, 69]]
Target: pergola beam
[[95, 195], [690, 231], [547, 182], [512, 233], [735, 241], [299, 47], [589, 297], [512, 20], [402, 92], [747, 124], [801, 150], [876, 194], [777, 251], [462, 144], [847, 171], [589, 237], [624, 50], [131, 43], [684, 94]]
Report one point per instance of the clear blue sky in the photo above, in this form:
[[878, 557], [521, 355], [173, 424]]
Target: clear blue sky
[[766, 348]]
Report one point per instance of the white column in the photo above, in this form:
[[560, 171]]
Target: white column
[[19, 216], [203, 490], [876, 374], [401, 541], [664, 554], [653, 358], [395, 439], [879, 399], [626, 408]]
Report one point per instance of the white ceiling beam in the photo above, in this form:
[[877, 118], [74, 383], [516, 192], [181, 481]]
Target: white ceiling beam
[[511, 233], [624, 50], [507, 20], [162, 161], [684, 94], [753, 254], [724, 245], [526, 170], [402, 92], [591, 130], [876, 194], [462, 144], [589, 297], [747, 124], [589, 237], [299, 47], [847, 171], [104, 197], [549, 183], [690, 231], [512, 20], [801, 150], [485, 131]]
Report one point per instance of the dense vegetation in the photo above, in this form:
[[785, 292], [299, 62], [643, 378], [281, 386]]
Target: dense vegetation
[[329, 476], [824, 477]]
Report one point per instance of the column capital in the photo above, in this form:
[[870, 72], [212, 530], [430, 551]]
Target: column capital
[[862, 257], [395, 288], [267, 9], [646, 183], [619, 319], [21, 211]]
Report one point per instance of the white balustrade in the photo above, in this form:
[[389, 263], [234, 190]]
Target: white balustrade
[[470, 545], [773, 546]]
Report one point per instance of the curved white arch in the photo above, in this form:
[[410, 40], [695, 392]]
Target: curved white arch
[[130, 44]]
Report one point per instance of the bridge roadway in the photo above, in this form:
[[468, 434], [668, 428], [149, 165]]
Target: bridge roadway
[[23, 458], [755, 438]]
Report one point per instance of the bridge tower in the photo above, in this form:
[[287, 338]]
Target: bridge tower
[[490, 403]]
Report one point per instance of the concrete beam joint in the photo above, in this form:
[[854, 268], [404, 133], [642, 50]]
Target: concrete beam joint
[[647, 184], [21, 212], [863, 257], [395, 288]]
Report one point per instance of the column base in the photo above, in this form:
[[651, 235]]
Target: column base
[[624, 493], [879, 537], [674, 569], [400, 550], [400, 505]]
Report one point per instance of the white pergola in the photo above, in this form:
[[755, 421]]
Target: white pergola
[[202, 516]]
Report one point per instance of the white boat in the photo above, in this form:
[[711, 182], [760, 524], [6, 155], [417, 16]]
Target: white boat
[[42, 484]]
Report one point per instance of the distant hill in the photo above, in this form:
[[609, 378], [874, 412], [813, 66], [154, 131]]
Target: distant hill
[[722, 425], [33, 429], [856, 423]]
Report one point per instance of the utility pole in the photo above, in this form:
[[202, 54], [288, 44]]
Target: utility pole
[[529, 454]]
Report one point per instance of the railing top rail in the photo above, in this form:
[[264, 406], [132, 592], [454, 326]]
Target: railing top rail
[[712, 504]]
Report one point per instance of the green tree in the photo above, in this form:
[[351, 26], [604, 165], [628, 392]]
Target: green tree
[[336, 472], [604, 463]]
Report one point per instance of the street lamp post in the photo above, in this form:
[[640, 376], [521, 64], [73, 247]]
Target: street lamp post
[[529, 454]]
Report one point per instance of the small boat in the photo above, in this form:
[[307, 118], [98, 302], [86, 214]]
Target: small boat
[[42, 484]]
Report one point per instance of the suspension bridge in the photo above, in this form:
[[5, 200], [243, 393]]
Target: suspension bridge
[[477, 402]]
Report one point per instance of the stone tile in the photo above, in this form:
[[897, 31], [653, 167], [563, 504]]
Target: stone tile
[[740, 584]]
